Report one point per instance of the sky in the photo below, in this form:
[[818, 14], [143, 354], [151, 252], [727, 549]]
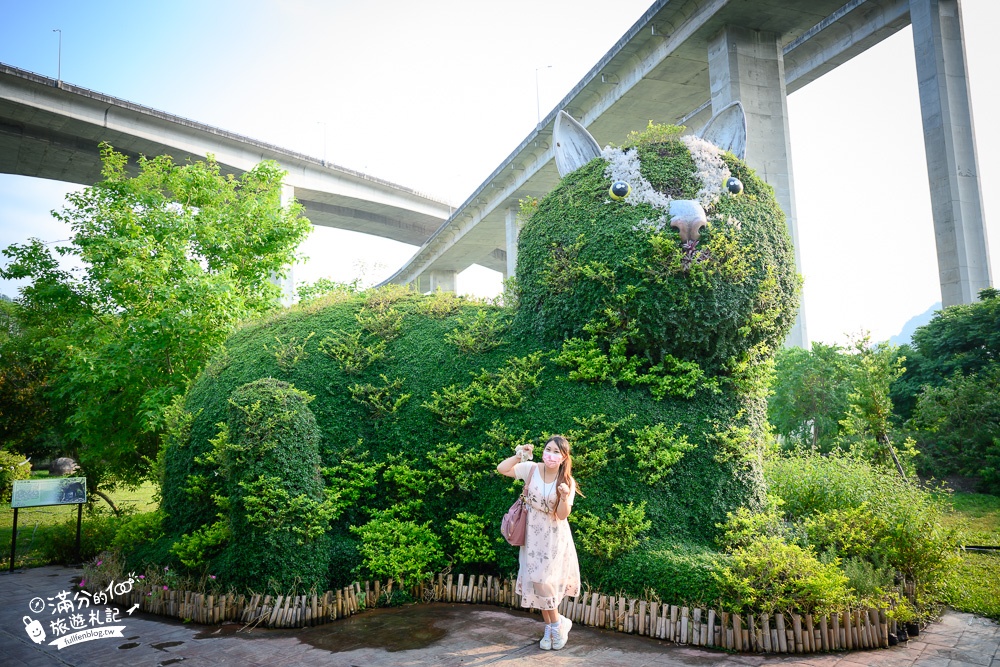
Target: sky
[[433, 95]]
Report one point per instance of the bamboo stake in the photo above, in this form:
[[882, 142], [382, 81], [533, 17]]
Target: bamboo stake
[[642, 617], [696, 627], [738, 632], [726, 641], [811, 646], [673, 632], [711, 628], [779, 622], [824, 633], [684, 625]]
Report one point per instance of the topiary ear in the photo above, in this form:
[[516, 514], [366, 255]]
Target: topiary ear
[[574, 145], [728, 130]]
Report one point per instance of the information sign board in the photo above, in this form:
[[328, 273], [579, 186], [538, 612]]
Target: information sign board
[[57, 491]]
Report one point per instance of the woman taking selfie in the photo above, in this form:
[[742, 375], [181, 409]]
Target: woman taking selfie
[[548, 568]]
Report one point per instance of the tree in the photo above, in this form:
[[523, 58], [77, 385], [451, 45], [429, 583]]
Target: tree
[[172, 259], [868, 421], [810, 395], [958, 427], [963, 339]]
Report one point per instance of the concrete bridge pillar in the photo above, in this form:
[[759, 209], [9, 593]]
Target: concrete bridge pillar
[[748, 66], [443, 280], [950, 146], [513, 231]]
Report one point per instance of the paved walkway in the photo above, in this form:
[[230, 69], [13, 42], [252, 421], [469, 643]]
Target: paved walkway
[[438, 634]]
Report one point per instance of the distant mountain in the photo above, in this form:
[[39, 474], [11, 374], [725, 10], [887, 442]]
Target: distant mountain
[[911, 325]]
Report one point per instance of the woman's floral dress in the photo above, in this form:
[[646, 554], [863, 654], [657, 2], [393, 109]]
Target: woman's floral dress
[[549, 568]]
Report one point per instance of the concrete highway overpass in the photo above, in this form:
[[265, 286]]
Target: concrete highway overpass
[[51, 129], [684, 58], [678, 62]]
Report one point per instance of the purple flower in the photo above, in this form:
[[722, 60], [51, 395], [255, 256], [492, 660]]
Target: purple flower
[[99, 563], [166, 588], [211, 576], [142, 576], [82, 582]]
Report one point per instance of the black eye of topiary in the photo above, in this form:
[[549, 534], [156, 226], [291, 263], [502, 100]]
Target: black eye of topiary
[[619, 190], [734, 185]]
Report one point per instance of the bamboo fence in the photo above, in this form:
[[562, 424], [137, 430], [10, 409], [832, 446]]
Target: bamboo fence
[[851, 629]]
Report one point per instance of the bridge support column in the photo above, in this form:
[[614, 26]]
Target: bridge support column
[[443, 280], [513, 231], [748, 66], [949, 142], [287, 284]]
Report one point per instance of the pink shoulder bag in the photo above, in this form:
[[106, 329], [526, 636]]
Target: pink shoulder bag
[[514, 524]]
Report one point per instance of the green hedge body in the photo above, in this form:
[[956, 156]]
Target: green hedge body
[[716, 324]]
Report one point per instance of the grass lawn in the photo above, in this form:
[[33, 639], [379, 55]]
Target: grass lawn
[[36, 526], [975, 585]]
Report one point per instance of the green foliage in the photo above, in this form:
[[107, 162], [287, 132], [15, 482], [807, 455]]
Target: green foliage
[[656, 449], [289, 353], [404, 551], [97, 533], [852, 508], [138, 529], [596, 443], [381, 323], [172, 259], [869, 408], [26, 414], [197, 549], [655, 133], [380, 400], [13, 466], [744, 526], [481, 333], [324, 287], [506, 388], [353, 355], [960, 339], [810, 395], [470, 544], [262, 475], [609, 538], [958, 427], [770, 575], [441, 304]]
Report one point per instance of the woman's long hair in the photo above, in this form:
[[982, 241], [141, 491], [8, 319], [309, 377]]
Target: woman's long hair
[[566, 467]]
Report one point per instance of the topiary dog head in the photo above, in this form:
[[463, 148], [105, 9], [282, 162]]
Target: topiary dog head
[[667, 245]]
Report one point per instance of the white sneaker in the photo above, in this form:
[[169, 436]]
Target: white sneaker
[[565, 625], [546, 642]]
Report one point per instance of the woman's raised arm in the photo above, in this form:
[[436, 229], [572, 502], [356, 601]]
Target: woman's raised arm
[[522, 453]]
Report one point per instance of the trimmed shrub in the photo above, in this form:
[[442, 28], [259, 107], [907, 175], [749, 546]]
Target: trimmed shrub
[[418, 398]]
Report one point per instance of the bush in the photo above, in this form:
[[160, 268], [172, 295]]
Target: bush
[[856, 509], [139, 529], [263, 476], [770, 575], [405, 551], [97, 533], [958, 427], [13, 466]]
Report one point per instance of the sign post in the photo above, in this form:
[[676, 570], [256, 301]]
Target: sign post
[[42, 492]]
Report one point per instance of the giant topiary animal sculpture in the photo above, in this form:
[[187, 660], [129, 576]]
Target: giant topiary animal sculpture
[[653, 285]]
